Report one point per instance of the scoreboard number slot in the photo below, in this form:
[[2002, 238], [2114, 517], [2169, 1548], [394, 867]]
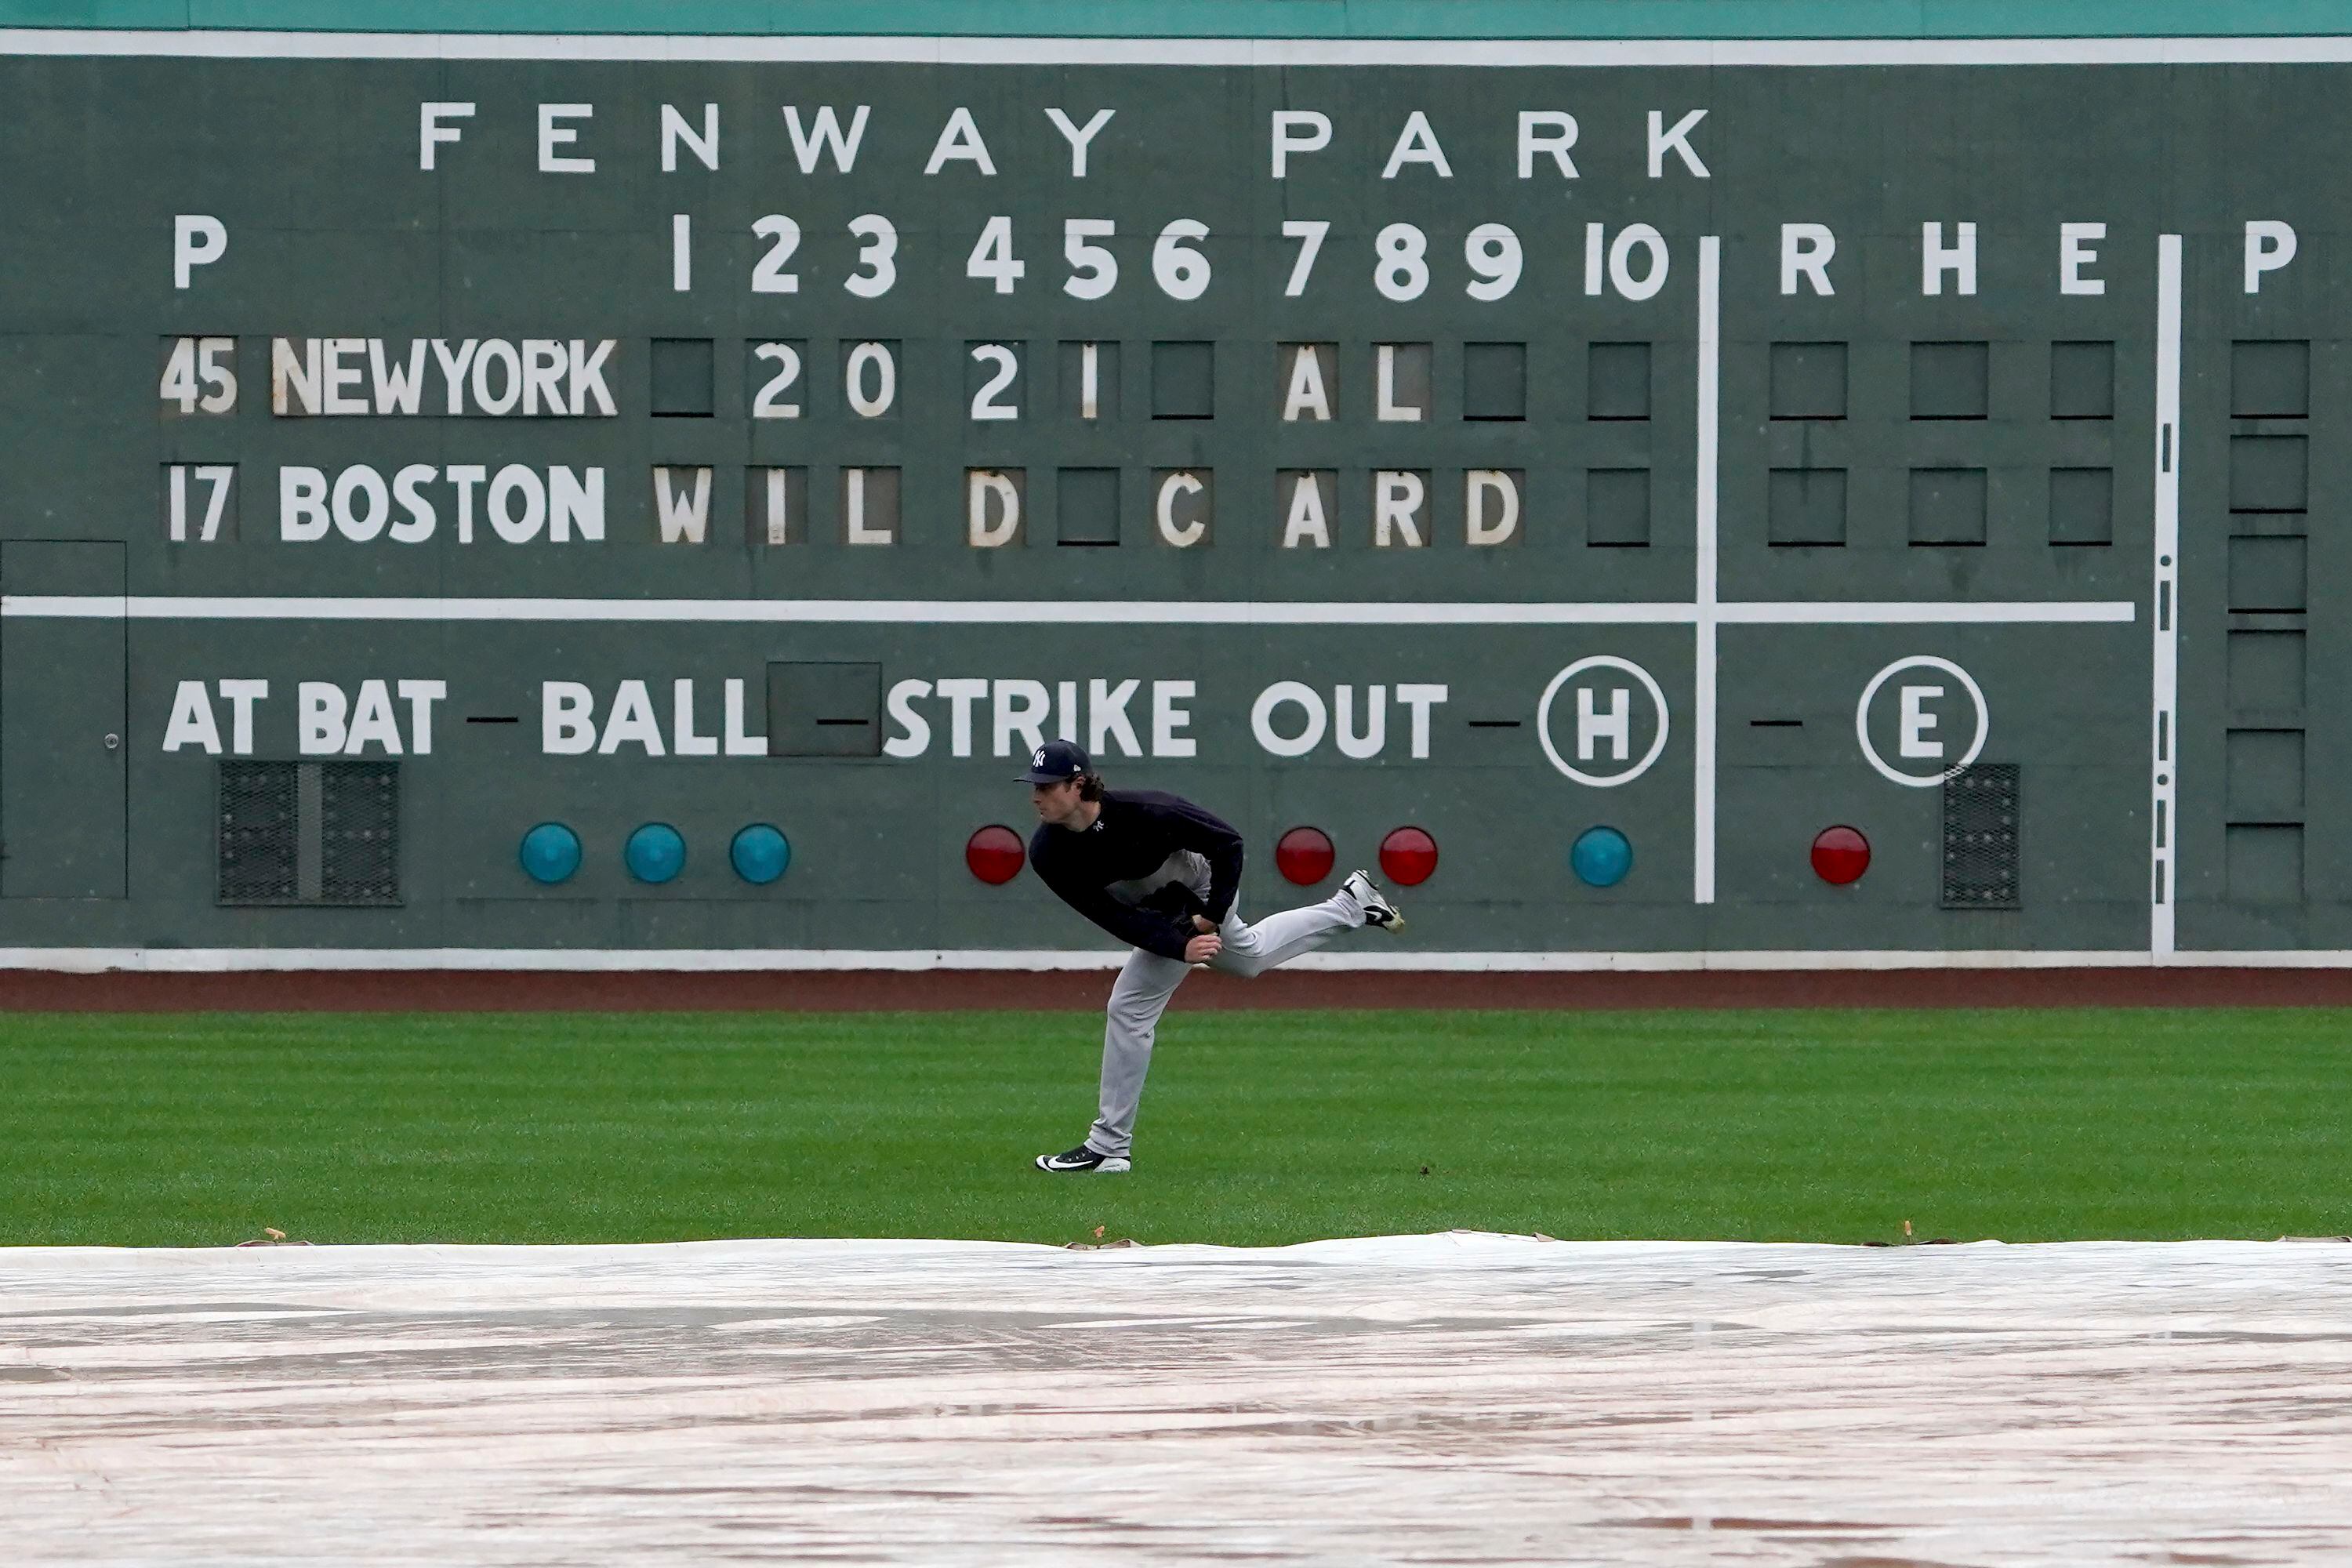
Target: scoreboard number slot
[[769, 401], [870, 378], [200, 375], [1001, 365], [199, 502]]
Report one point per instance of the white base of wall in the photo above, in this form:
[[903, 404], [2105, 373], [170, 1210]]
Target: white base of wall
[[226, 960]]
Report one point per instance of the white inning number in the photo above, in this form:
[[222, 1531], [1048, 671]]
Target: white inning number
[[1493, 252], [984, 402], [200, 375], [1182, 272], [1403, 270], [1093, 269], [877, 266], [992, 255], [218, 477], [1308, 233], [769, 277], [770, 404]]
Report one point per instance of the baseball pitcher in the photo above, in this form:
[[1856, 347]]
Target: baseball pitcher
[[1158, 871]]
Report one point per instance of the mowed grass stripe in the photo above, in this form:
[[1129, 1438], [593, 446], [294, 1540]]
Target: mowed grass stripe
[[1258, 1128]]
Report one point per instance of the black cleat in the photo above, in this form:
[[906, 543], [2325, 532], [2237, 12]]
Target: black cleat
[[1378, 910], [1083, 1161]]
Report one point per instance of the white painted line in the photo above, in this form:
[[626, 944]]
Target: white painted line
[[944, 612], [1265, 53], [1715, 52], [1710, 365], [1031, 612], [808, 960], [1820, 612], [2164, 614]]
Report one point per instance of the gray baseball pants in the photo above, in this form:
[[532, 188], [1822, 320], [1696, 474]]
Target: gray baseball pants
[[1147, 981]]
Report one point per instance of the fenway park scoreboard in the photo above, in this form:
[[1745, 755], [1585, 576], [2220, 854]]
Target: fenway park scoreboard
[[640, 500]]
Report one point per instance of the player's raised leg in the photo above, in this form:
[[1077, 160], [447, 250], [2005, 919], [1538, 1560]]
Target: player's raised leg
[[1251, 950]]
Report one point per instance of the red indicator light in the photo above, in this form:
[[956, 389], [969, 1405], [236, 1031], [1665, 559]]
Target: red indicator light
[[996, 855], [1841, 854], [1304, 855], [1408, 856]]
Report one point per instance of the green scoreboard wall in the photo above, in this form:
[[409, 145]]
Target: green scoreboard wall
[[419, 440]]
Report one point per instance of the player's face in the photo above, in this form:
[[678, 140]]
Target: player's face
[[1055, 803]]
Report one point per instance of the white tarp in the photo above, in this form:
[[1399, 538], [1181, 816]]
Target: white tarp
[[1462, 1398]]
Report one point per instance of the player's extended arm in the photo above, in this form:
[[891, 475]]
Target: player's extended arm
[[1146, 929], [1214, 840]]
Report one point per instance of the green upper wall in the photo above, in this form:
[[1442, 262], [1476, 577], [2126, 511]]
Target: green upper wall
[[1229, 19]]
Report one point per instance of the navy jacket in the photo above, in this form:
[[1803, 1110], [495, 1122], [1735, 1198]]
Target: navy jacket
[[1133, 837]]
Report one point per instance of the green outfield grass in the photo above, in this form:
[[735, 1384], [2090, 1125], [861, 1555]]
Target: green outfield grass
[[1258, 1127]]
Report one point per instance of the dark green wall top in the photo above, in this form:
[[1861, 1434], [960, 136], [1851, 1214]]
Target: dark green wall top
[[1230, 18]]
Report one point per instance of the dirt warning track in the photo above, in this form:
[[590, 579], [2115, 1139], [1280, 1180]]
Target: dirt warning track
[[1086, 990]]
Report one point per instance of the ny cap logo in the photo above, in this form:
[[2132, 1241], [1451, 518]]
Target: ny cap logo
[[1039, 760]]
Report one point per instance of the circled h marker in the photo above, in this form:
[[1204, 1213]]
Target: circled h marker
[[1543, 719]]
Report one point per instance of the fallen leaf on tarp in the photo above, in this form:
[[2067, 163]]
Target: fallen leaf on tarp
[[272, 1236]]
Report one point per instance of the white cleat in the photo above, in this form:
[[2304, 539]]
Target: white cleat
[[1378, 910]]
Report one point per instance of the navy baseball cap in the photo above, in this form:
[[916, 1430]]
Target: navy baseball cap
[[1056, 761]]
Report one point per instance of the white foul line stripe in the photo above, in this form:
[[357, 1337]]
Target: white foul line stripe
[[1031, 612], [1263, 53], [809, 960]]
